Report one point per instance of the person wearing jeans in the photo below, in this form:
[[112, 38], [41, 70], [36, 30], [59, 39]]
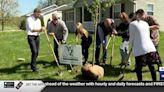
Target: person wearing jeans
[[104, 29], [122, 30], [98, 45], [33, 27], [124, 49]]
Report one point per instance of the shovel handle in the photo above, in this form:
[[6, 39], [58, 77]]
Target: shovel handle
[[56, 39], [108, 43], [50, 46]]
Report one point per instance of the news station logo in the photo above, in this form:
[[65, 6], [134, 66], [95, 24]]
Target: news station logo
[[161, 71], [8, 84], [11, 85]]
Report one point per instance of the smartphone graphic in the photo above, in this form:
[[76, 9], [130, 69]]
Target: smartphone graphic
[[19, 85]]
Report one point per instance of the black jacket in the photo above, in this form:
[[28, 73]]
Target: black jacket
[[123, 31]]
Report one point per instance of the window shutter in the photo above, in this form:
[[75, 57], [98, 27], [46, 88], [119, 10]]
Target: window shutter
[[111, 12], [122, 7]]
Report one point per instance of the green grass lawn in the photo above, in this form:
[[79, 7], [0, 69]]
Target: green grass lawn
[[13, 45], [9, 27]]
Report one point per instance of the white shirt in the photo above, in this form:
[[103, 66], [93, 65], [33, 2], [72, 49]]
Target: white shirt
[[140, 38], [33, 24]]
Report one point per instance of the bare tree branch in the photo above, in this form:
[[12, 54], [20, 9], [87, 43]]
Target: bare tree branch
[[7, 9]]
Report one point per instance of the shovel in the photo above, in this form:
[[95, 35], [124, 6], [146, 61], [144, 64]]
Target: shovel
[[51, 48], [125, 62], [59, 45]]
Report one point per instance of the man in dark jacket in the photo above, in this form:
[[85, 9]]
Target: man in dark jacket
[[104, 29]]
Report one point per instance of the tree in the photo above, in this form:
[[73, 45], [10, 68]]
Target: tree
[[93, 8], [45, 3], [7, 9], [61, 2]]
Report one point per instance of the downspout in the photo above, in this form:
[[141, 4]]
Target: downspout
[[74, 19], [83, 15], [134, 6]]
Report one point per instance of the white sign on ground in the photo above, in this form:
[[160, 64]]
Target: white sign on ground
[[70, 54]]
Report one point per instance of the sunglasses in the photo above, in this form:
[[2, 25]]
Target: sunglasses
[[55, 19]]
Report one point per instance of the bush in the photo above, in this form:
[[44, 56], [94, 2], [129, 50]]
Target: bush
[[23, 24]]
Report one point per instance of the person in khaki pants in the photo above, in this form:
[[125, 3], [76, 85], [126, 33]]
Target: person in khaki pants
[[58, 28]]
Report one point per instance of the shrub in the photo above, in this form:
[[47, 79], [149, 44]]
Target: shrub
[[23, 24]]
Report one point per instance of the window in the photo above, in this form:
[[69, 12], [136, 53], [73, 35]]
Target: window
[[150, 9], [87, 15], [116, 11], [69, 16]]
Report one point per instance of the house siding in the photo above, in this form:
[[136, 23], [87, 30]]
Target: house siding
[[129, 7], [69, 24], [159, 15], [158, 5], [105, 14], [141, 4], [78, 15]]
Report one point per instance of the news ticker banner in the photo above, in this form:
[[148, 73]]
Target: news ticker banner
[[38, 86]]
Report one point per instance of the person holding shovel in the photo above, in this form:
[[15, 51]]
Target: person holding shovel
[[86, 38], [33, 28], [122, 30], [104, 29], [57, 28]]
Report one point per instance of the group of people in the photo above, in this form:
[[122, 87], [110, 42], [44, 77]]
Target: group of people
[[138, 29]]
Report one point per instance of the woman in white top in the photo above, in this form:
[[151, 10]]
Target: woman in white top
[[142, 47]]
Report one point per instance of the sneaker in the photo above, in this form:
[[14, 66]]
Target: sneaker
[[34, 70], [129, 63], [85, 62], [105, 62], [97, 63], [134, 70], [120, 64]]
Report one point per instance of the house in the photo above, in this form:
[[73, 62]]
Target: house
[[77, 12], [68, 15]]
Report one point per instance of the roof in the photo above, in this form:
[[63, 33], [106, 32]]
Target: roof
[[80, 3], [67, 6], [49, 9], [54, 7]]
